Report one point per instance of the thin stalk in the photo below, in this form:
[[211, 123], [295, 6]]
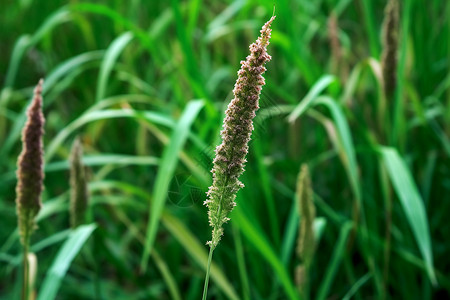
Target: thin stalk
[[398, 131], [448, 90], [270, 202], [350, 275], [212, 246], [26, 285], [386, 191], [370, 27], [208, 268], [241, 263]]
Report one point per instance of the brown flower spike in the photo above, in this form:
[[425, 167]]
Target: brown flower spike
[[30, 173], [230, 159], [390, 47]]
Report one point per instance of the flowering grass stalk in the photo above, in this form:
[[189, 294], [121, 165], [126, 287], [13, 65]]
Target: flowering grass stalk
[[389, 60], [230, 160], [306, 242], [78, 186], [390, 48], [30, 177]]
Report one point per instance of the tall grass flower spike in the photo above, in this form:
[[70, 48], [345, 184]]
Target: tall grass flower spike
[[30, 165], [230, 160]]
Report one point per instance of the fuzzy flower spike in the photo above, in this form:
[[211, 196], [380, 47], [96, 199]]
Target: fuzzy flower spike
[[30, 173], [230, 160]]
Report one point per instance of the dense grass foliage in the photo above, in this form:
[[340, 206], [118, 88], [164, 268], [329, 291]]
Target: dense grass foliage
[[145, 84]]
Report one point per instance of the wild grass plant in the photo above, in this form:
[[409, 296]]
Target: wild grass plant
[[229, 162], [146, 85]]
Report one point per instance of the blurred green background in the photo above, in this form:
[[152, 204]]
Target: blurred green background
[[145, 85]]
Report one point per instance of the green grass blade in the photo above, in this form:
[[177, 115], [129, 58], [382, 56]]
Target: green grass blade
[[198, 252], [20, 47], [15, 131], [399, 123], [190, 63], [338, 254], [53, 206], [89, 116], [178, 230], [341, 6], [265, 185], [103, 10], [228, 13], [47, 242], [68, 66], [291, 230], [51, 240], [102, 115], [57, 18], [345, 141], [26, 41], [240, 259], [194, 9], [167, 275], [260, 242], [357, 286], [167, 167], [290, 234], [306, 102], [110, 59], [345, 136], [105, 159], [368, 11], [412, 204], [63, 260]]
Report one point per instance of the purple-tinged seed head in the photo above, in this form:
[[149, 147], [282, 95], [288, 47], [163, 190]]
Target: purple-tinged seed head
[[30, 165], [230, 159]]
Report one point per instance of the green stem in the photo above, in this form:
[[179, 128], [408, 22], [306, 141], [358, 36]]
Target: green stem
[[399, 122], [208, 268], [370, 27], [25, 286], [241, 263]]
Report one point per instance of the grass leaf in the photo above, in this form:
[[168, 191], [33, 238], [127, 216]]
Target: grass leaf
[[111, 56], [198, 252], [348, 155], [261, 243], [167, 167], [63, 260], [338, 254], [91, 116], [412, 204], [306, 102]]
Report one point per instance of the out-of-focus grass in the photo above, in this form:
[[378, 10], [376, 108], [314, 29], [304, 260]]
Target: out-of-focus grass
[[124, 76]]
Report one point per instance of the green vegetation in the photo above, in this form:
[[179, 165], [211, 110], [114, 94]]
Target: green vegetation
[[144, 85]]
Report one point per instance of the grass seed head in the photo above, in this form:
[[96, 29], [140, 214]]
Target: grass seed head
[[390, 47], [30, 165], [78, 185], [306, 242], [230, 160]]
